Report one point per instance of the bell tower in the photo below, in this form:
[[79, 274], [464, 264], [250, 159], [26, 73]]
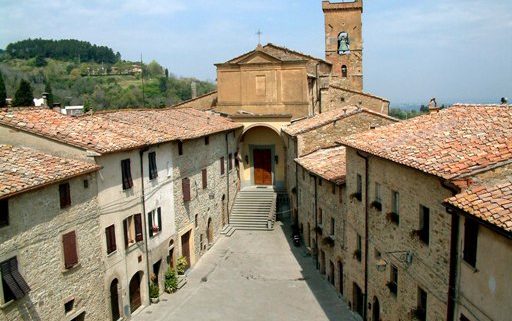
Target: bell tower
[[344, 42]]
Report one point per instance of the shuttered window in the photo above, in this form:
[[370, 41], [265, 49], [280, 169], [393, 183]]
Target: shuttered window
[[185, 186], [4, 213], [110, 235], [132, 227], [153, 172], [70, 252], [65, 195], [155, 222], [138, 227], [230, 161], [14, 286], [126, 173], [205, 178], [222, 170]]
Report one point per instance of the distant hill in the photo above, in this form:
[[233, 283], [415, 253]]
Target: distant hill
[[76, 79]]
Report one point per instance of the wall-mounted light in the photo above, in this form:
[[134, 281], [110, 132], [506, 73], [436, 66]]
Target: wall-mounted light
[[276, 159], [246, 159], [381, 265]]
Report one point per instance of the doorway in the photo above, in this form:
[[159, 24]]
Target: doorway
[[376, 309], [262, 166], [340, 277], [135, 299], [114, 300], [358, 299], [185, 247], [209, 231], [331, 272], [170, 258]]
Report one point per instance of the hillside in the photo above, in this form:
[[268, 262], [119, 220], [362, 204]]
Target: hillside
[[98, 85]]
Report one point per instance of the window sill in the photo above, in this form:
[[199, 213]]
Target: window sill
[[111, 253], [6, 304], [73, 268], [469, 266]]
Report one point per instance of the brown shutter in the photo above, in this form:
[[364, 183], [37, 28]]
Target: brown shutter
[[185, 185], [70, 253], [138, 227], [126, 174], [110, 234], [125, 227], [159, 214], [222, 166], [205, 178], [13, 279]]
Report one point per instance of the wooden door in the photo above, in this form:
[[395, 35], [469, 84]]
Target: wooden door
[[262, 167], [185, 246], [114, 300], [135, 300]]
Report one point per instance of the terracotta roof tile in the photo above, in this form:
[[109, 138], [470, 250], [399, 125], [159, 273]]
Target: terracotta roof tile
[[449, 143], [23, 169], [319, 120], [490, 200], [327, 163]]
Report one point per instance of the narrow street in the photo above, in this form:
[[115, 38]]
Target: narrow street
[[253, 275]]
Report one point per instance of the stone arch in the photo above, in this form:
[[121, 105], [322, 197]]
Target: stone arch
[[247, 128]]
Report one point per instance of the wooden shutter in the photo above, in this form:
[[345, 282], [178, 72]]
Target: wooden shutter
[[13, 279], [205, 178], [110, 235], [126, 173], [153, 172], [138, 227], [222, 170], [185, 185], [150, 223], [125, 228], [70, 253], [159, 216]]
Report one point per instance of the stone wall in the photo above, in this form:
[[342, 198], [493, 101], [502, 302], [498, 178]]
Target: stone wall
[[335, 97], [214, 202], [429, 268], [34, 236]]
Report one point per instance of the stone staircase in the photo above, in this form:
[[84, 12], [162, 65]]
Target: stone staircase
[[254, 209]]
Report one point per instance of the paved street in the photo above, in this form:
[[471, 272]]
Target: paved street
[[252, 276]]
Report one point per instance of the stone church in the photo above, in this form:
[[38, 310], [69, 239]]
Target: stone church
[[272, 86]]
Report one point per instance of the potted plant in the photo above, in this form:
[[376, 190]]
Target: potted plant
[[154, 292], [393, 217], [171, 281], [376, 205], [181, 265], [155, 229], [356, 195]]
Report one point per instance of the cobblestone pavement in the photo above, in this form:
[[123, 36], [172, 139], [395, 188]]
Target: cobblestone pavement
[[252, 275]]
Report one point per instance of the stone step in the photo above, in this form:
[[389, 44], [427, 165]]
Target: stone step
[[182, 280], [251, 211], [256, 215], [236, 220]]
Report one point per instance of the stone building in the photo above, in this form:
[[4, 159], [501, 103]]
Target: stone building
[[138, 185], [49, 237], [322, 201], [397, 179]]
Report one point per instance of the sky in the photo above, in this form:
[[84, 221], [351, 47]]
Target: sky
[[456, 51]]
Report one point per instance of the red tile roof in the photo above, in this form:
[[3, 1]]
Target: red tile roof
[[23, 169], [490, 200], [107, 132], [449, 143], [330, 164], [319, 120]]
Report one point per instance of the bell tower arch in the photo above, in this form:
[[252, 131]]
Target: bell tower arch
[[344, 42]]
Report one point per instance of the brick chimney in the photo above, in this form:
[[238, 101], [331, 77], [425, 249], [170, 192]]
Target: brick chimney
[[432, 106]]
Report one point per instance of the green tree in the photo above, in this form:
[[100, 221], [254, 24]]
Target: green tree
[[40, 61], [24, 95], [3, 93], [49, 93], [154, 69]]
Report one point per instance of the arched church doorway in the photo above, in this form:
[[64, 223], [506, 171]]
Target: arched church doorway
[[114, 300], [135, 297]]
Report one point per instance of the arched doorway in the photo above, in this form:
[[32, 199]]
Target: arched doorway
[[209, 231], [114, 300], [135, 297], [375, 309]]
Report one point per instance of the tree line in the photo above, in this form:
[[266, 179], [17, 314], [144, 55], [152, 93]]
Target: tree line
[[65, 50]]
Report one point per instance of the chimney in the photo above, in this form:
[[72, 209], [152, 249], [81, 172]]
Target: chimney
[[432, 106], [193, 85]]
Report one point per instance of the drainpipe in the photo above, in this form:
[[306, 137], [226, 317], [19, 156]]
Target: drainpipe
[[296, 179], [227, 177], [316, 224], [367, 182], [143, 201]]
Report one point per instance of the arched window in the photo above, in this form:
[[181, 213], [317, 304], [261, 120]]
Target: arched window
[[343, 43], [344, 71]]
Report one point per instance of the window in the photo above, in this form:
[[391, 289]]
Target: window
[[421, 310], [155, 221], [205, 178], [196, 221], [110, 235], [132, 230], [393, 280], [65, 195], [320, 214], [230, 162], [359, 188], [68, 306], [319, 182], [343, 43], [126, 174], [470, 241], [153, 172], [359, 248], [207, 140], [333, 188], [377, 254], [86, 183], [4, 212], [180, 148], [340, 190], [358, 299], [395, 202], [377, 193], [13, 285], [70, 251], [424, 224], [237, 163], [201, 242], [222, 169], [463, 318], [303, 174], [185, 187], [332, 225], [344, 71]]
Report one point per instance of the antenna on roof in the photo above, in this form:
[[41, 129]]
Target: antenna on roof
[[142, 80], [259, 37]]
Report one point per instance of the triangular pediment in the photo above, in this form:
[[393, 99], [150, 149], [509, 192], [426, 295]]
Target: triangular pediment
[[258, 57]]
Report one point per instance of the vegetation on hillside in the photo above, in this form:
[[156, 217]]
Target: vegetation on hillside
[[98, 85], [406, 114]]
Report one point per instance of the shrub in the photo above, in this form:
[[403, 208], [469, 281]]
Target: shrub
[[154, 291], [181, 265], [171, 281]]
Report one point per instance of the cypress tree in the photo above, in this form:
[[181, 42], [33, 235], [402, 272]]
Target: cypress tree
[[24, 95], [3, 93], [49, 94]]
